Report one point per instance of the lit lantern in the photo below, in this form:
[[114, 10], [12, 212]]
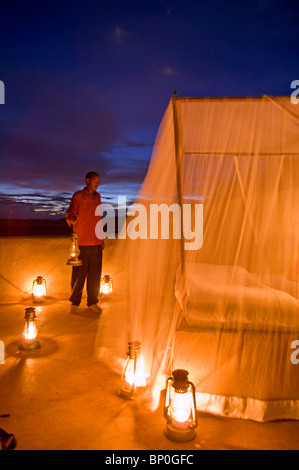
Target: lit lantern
[[180, 407], [106, 285], [39, 288], [74, 252], [133, 376], [30, 333]]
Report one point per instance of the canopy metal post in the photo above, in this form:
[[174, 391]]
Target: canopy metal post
[[179, 159]]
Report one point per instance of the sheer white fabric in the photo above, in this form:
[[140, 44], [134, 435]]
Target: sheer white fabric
[[229, 310]]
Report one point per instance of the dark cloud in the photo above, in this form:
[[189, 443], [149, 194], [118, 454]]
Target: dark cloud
[[33, 205], [87, 83], [36, 205], [127, 175], [62, 136], [134, 144]]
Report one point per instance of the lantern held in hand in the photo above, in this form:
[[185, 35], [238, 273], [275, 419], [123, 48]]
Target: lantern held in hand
[[74, 252]]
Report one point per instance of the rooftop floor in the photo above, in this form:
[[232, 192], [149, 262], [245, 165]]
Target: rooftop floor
[[60, 397]]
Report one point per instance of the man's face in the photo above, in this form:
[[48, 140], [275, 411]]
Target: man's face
[[93, 183]]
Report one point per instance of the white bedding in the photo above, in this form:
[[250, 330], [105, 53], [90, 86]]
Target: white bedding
[[229, 296]]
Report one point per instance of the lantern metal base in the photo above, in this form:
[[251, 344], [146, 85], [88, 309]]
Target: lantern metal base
[[29, 347], [126, 395], [105, 297], [38, 300], [179, 435], [74, 262]]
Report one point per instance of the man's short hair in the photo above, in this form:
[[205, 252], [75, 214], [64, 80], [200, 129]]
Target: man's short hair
[[91, 174]]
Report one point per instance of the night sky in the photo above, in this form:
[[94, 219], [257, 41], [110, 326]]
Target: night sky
[[87, 83]]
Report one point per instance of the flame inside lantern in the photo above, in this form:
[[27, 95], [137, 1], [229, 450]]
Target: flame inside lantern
[[134, 375], [39, 287], [180, 407], [30, 333]]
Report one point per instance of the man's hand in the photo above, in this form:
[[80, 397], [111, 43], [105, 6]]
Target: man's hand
[[73, 220]]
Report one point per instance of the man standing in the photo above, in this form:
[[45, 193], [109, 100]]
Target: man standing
[[81, 216]]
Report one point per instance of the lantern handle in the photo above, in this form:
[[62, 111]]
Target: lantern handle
[[193, 404], [166, 407]]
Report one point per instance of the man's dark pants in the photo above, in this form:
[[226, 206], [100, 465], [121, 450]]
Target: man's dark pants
[[91, 270]]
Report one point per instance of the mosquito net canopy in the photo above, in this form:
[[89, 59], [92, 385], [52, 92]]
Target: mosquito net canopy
[[208, 258]]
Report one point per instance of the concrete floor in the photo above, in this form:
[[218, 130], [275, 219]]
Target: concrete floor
[[59, 397]]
